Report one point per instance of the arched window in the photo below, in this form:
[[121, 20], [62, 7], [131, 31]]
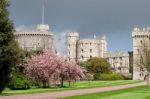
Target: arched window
[[82, 57], [141, 42], [90, 50], [138, 50], [82, 50]]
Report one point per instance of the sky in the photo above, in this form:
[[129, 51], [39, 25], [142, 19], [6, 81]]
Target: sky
[[113, 18]]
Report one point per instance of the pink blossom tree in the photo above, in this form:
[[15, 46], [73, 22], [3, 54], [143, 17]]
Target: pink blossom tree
[[75, 72], [48, 67]]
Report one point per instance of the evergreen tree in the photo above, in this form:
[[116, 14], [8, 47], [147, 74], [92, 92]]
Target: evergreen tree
[[8, 46]]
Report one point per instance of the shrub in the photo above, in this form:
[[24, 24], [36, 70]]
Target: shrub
[[112, 76], [97, 66], [19, 82]]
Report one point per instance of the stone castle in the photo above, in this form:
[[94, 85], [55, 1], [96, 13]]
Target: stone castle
[[40, 39], [80, 50]]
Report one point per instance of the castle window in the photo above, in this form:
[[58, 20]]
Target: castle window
[[120, 58], [140, 75], [82, 57], [82, 50], [114, 58], [90, 50], [141, 42], [90, 56], [121, 64], [68, 52], [138, 50]]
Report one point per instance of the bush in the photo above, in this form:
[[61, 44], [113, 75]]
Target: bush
[[97, 66], [96, 76], [19, 82], [112, 76]]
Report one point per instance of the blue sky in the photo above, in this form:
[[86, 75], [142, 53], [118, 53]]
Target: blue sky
[[114, 18]]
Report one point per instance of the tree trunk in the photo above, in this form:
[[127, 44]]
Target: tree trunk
[[62, 82], [44, 84], [148, 81], [69, 83]]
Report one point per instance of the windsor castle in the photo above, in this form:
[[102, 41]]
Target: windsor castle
[[80, 50]]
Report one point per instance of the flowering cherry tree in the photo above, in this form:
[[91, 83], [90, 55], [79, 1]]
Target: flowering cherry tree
[[48, 67]]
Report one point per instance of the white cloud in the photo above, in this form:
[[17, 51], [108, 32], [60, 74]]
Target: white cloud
[[26, 28], [60, 41]]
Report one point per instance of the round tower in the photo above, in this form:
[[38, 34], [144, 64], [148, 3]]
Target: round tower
[[72, 38]]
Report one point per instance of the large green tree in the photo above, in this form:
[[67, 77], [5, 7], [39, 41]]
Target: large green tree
[[97, 66], [8, 46]]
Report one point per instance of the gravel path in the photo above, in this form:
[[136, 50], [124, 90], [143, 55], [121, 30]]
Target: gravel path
[[55, 95]]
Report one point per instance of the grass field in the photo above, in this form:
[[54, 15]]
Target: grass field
[[131, 93], [77, 85]]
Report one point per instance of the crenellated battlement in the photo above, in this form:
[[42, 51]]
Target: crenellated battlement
[[137, 32], [72, 34]]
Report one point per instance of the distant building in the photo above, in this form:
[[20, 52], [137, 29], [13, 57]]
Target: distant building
[[139, 36], [119, 61], [40, 39], [80, 50]]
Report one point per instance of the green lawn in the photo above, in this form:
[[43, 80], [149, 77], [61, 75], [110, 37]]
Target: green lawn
[[131, 93], [77, 85]]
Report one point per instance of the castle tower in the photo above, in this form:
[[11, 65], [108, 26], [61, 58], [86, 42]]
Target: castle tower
[[139, 37], [72, 38], [103, 46], [87, 48]]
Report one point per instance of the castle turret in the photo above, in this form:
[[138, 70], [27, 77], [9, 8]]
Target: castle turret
[[72, 38], [43, 27], [103, 49]]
